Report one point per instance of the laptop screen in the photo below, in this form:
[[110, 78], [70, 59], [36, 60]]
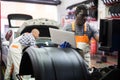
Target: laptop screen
[[59, 36]]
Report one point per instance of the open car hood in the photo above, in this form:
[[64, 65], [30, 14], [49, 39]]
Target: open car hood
[[41, 24]]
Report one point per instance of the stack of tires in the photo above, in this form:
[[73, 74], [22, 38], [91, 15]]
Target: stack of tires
[[115, 11], [51, 63], [110, 2]]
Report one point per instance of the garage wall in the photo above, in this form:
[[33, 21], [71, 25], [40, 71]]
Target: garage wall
[[102, 9], [62, 8], [36, 10]]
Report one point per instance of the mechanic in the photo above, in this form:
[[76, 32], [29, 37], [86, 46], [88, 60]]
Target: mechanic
[[15, 52], [83, 31]]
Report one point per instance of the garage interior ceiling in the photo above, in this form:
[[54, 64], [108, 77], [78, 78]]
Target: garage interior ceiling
[[50, 2], [74, 5]]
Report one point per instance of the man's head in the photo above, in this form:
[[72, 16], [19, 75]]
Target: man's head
[[81, 14], [35, 33]]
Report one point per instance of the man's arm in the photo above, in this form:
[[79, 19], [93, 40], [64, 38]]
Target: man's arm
[[95, 31], [96, 38]]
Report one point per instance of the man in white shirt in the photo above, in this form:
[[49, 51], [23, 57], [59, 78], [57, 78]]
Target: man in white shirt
[[15, 52]]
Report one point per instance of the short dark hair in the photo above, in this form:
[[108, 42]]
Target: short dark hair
[[79, 8]]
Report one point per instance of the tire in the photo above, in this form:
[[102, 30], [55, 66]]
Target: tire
[[51, 63]]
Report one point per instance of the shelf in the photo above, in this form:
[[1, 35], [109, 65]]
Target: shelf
[[112, 3], [112, 17], [74, 5]]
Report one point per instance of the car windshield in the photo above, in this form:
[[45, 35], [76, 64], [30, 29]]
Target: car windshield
[[45, 42]]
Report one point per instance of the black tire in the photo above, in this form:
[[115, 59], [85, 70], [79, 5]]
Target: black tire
[[51, 63]]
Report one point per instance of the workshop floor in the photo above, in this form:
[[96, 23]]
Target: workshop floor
[[96, 61]]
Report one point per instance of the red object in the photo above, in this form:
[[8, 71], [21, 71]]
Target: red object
[[93, 46]]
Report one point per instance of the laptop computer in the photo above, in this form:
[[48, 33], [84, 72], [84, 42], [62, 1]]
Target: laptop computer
[[59, 36]]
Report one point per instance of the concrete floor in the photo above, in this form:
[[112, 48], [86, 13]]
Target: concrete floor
[[111, 60]]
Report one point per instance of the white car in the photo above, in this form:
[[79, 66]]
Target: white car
[[43, 26]]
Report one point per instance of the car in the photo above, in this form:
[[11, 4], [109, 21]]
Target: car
[[43, 25]]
